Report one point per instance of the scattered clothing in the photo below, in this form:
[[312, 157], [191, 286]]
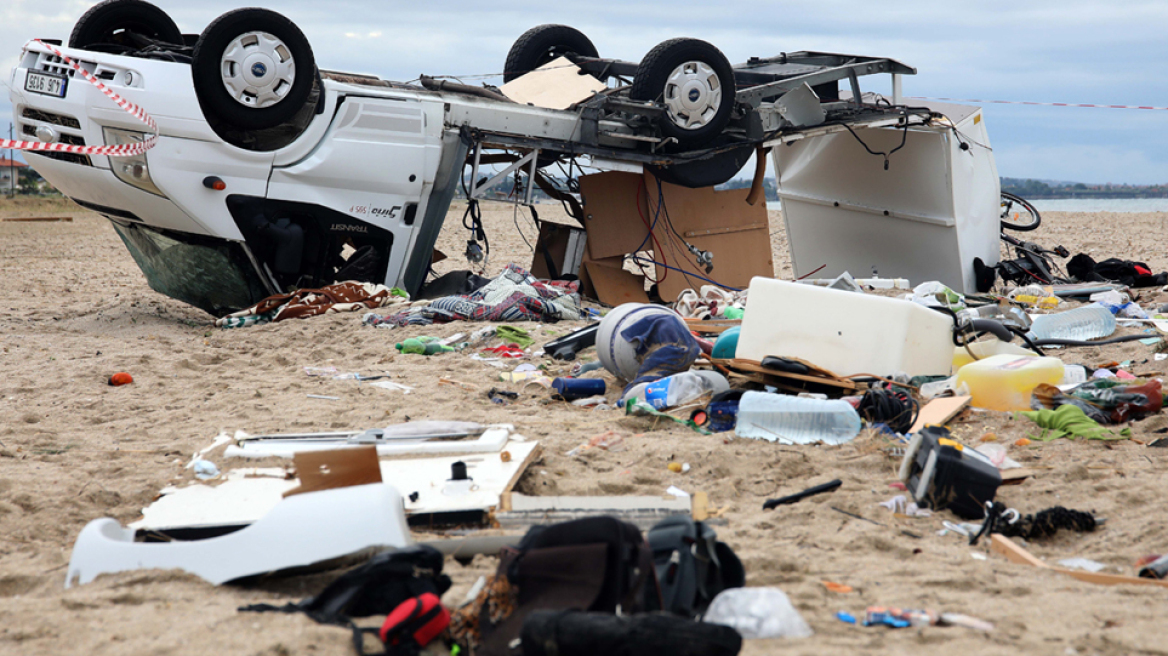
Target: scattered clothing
[[711, 303], [302, 303], [663, 345], [1070, 421], [513, 335], [515, 295], [1125, 272]]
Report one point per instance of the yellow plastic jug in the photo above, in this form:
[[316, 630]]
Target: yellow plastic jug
[[985, 349], [1005, 382]]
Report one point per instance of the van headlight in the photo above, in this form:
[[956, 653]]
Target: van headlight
[[131, 170]]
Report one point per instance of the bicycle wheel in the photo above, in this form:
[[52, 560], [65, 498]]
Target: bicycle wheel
[[1018, 214]]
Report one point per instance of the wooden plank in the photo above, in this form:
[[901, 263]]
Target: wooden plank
[[712, 325], [1100, 578], [939, 411], [505, 497], [325, 470], [1016, 554], [726, 230], [1016, 475], [701, 506]]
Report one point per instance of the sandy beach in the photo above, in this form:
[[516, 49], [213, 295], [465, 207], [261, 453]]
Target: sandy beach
[[75, 308]]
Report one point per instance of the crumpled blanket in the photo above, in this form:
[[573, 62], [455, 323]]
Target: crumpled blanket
[[515, 295], [663, 345], [338, 297]]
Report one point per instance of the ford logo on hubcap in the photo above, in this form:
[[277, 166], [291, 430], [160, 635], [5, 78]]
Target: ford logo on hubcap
[[258, 69], [694, 94]]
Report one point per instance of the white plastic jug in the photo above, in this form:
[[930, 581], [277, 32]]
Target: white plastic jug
[[844, 332]]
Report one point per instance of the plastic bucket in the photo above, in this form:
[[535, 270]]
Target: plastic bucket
[[616, 354]]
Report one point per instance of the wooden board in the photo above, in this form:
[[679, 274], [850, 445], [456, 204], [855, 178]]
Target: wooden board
[[701, 506], [325, 470], [619, 207], [939, 411], [613, 285], [752, 366], [557, 84]]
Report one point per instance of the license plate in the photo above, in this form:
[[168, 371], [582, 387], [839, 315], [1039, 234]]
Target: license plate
[[50, 85]]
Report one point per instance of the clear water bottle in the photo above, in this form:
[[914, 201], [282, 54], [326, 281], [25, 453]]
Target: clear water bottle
[[793, 420], [1082, 324]]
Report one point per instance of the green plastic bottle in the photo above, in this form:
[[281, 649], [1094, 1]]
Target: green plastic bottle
[[423, 346]]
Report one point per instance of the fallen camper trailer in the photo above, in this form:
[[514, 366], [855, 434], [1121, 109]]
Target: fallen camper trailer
[[268, 174]]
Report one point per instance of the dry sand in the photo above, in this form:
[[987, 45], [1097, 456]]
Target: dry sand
[[76, 309]]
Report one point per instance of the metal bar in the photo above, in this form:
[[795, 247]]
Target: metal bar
[[854, 81], [477, 190], [755, 95], [531, 176], [897, 91]]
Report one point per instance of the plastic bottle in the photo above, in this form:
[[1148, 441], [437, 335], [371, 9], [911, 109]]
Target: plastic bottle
[[1084, 323], [1005, 382], [678, 389], [777, 417]]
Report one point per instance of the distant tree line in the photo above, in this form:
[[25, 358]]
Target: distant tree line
[[1039, 189]]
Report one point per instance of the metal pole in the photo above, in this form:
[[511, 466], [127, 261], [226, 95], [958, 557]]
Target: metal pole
[[11, 166]]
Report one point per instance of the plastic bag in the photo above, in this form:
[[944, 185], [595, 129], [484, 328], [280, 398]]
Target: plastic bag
[[757, 613]]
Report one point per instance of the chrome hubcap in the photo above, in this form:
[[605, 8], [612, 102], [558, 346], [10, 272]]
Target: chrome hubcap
[[258, 69], [693, 94]]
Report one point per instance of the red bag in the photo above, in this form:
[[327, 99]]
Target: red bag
[[419, 619]]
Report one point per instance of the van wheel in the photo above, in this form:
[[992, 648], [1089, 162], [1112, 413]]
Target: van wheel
[[542, 44], [116, 23], [695, 82], [253, 69]]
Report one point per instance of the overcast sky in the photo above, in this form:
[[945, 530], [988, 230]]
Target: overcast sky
[[1036, 50]]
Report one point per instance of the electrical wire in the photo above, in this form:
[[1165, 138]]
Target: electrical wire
[[649, 235], [894, 408]]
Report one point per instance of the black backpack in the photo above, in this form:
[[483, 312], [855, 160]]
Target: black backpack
[[376, 587], [692, 566], [598, 564]]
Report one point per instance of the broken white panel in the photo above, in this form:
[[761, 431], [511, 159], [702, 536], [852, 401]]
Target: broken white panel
[[558, 84], [243, 500], [296, 532], [926, 217], [492, 440]]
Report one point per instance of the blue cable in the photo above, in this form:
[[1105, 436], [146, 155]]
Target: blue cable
[[687, 273]]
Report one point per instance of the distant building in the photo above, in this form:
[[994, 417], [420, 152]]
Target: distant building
[[9, 174]]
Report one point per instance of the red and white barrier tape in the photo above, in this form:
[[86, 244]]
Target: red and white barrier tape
[[1043, 104], [124, 150]]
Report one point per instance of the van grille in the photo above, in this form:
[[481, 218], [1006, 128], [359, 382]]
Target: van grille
[[49, 117]]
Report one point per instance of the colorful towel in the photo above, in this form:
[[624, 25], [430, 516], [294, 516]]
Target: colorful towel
[[302, 303], [515, 295]]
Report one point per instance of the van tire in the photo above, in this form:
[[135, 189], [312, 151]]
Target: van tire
[[223, 106], [107, 23], [542, 44]]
